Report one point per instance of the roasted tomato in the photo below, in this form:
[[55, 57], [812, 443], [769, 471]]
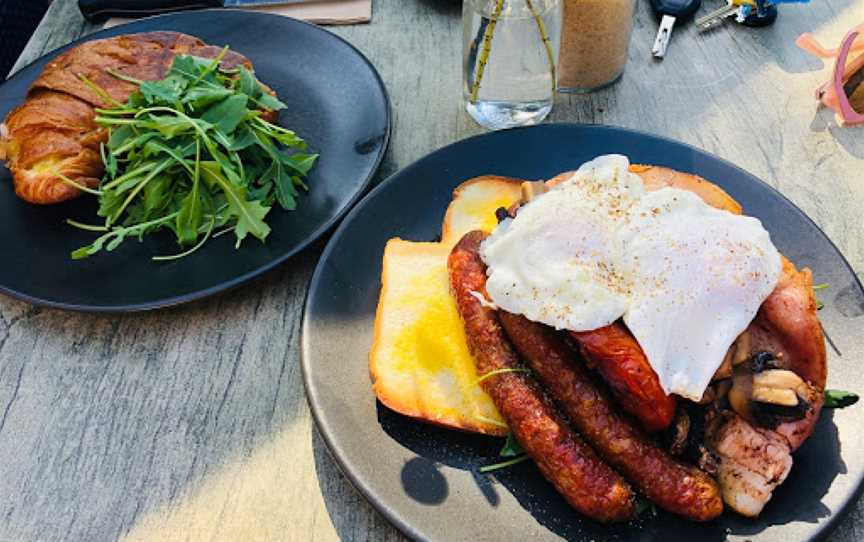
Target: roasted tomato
[[619, 359]]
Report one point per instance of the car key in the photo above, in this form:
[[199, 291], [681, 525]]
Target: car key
[[719, 15], [671, 11], [748, 12]]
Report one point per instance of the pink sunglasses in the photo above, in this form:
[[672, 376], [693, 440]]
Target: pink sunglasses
[[844, 93]]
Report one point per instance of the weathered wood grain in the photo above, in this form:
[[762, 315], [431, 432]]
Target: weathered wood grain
[[191, 423]]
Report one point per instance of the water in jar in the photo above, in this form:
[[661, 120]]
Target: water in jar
[[509, 60]]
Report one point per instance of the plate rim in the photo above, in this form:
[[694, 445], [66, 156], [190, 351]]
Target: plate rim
[[313, 398], [235, 282]]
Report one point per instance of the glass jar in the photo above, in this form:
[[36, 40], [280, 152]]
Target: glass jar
[[510, 55], [595, 40]]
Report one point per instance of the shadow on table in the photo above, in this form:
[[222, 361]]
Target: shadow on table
[[352, 517], [816, 465], [155, 414], [851, 138], [778, 40], [704, 73], [444, 7]]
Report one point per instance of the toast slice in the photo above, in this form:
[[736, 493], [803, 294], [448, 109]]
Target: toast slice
[[474, 204], [419, 362], [657, 177]]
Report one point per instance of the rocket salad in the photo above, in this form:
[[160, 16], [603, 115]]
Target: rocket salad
[[192, 153]]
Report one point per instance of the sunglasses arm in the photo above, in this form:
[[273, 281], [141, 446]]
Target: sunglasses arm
[[808, 43]]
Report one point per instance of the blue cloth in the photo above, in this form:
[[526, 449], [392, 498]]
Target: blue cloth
[[18, 20]]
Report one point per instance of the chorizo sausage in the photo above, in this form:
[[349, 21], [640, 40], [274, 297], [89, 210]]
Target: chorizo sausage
[[671, 484], [619, 359], [571, 465]]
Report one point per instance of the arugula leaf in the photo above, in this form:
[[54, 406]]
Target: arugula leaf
[[840, 398], [250, 86], [511, 448], [247, 84], [227, 114], [164, 92], [133, 143], [109, 160], [201, 97], [190, 154], [289, 139], [250, 214], [154, 148], [254, 224], [170, 126], [816, 287], [113, 238], [119, 136], [301, 163], [191, 67], [190, 218], [191, 208], [243, 139], [262, 194], [504, 464], [227, 166], [285, 191], [268, 101], [156, 195], [109, 203]]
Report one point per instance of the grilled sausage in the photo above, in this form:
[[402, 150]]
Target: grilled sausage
[[621, 362], [674, 486], [582, 478]]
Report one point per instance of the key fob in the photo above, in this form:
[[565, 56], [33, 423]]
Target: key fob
[[680, 9], [767, 18]]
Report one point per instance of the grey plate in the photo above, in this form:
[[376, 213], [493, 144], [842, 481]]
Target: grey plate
[[425, 480], [336, 102]]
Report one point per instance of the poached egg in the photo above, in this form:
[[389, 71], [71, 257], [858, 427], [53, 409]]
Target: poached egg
[[686, 278]]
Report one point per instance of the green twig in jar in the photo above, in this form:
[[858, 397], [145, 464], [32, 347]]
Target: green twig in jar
[[484, 54], [546, 42]]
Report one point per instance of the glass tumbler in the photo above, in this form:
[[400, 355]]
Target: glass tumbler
[[510, 55], [595, 40]]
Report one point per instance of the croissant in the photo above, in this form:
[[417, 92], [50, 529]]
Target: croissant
[[52, 138]]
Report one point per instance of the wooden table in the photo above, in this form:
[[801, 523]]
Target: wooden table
[[191, 423]]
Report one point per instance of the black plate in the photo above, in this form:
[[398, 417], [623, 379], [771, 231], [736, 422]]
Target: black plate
[[336, 101], [425, 480]]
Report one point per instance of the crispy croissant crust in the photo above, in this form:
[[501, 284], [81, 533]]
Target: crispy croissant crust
[[53, 132]]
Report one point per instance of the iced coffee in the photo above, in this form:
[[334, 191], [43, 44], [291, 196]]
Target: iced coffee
[[595, 39]]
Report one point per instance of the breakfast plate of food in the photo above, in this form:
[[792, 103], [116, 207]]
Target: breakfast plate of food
[[174, 157], [591, 333]]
